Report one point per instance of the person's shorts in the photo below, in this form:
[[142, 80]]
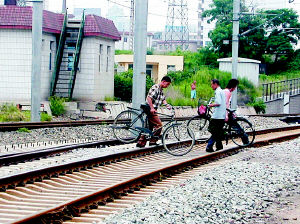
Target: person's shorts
[[193, 94]]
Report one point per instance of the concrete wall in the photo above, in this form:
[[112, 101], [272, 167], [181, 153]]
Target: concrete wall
[[247, 68], [15, 65], [276, 106], [94, 81], [295, 104]]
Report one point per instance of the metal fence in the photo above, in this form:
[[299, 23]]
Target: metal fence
[[275, 90]]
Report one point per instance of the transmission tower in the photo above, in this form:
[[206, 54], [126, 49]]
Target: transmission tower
[[131, 25], [176, 30]]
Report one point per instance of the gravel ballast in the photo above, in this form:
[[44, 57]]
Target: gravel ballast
[[96, 132], [242, 190]]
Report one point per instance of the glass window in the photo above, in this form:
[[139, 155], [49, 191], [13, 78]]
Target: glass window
[[108, 57]]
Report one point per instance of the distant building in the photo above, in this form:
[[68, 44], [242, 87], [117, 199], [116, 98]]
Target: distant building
[[124, 44], [160, 46], [95, 75], [203, 26], [157, 66], [23, 3], [247, 68]]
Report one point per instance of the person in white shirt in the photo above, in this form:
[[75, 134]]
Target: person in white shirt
[[217, 121]]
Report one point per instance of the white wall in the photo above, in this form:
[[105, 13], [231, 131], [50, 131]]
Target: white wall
[[92, 84], [245, 70], [15, 65]]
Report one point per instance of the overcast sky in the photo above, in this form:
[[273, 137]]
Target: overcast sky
[[158, 8]]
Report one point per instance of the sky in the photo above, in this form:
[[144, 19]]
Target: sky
[[158, 8]]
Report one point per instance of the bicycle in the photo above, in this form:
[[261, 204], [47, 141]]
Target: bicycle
[[238, 129], [130, 124]]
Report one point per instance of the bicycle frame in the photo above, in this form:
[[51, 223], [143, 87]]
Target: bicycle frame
[[145, 128]]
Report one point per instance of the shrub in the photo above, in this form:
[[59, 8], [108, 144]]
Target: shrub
[[46, 117], [259, 106], [123, 85], [57, 105]]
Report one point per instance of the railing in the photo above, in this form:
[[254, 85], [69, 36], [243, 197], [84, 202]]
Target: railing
[[76, 57], [59, 55], [275, 90]]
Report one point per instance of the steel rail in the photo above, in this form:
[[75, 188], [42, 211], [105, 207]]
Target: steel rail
[[87, 201], [13, 126], [15, 158], [21, 179]]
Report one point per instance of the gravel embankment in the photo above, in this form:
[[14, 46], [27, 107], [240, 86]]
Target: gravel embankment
[[95, 132], [240, 191]]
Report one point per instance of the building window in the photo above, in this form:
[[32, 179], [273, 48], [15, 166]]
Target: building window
[[51, 54], [130, 66], [149, 70], [171, 68], [125, 39], [108, 57], [100, 55]]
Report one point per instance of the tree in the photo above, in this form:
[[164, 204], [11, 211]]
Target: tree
[[268, 33]]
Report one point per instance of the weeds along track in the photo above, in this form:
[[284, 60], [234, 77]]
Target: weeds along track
[[64, 192]]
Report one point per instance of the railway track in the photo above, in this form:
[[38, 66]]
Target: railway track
[[35, 125], [66, 191]]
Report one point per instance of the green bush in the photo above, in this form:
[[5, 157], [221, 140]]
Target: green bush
[[23, 130], [46, 117], [57, 105], [259, 106], [9, 112], [123, 85]]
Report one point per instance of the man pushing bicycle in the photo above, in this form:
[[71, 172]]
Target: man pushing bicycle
[[154, 99]]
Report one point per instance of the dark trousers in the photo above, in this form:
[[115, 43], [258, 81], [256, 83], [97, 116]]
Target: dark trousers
[[216, 129], [155, 125]]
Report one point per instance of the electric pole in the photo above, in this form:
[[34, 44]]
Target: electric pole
[[139, 55], [131, 25], [235, 47], [37, 29]]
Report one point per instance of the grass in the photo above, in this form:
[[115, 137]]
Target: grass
[[10, 113], [279, 77], [178, 94]]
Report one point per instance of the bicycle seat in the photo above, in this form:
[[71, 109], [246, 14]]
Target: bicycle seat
[[145, 108], [230, 110]]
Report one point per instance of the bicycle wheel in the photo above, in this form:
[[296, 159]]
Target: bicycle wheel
[[178, 140], [199, 127], [124, 126], [242, 132]]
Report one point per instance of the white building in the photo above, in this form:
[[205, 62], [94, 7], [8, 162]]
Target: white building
[[203, 26], [247, 68], [124, 43], [95, 78]]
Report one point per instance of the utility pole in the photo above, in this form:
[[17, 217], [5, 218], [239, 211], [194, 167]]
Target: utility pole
[[139, 55], [235, 47], [131, 25], [37, 21]]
